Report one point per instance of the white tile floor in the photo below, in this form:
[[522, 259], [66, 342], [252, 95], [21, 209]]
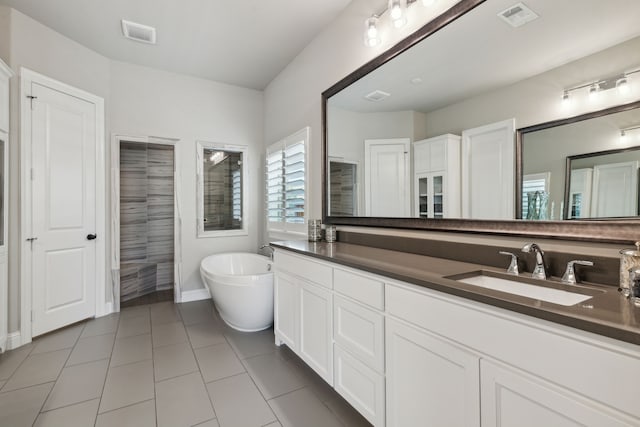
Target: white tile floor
[[164, 364]]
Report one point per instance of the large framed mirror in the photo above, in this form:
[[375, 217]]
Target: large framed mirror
[[437, 118]]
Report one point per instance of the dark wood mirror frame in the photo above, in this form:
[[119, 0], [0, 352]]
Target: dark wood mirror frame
[[625, 231]]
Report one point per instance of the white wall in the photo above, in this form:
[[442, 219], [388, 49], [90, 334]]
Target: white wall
[[138, 102], [149, 102], [34, 46]]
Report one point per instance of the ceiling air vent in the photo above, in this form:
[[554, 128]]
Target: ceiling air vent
[[377, 95], [138, 32], [518, 15]]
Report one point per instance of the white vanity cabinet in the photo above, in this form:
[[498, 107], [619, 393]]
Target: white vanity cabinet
[[406, 355], [513, 398], [358, 334], [436, 171], [430, 382], [5, 75], [304, 310]]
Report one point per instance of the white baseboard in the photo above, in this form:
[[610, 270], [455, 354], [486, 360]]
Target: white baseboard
[[14, 340], [195, 295]]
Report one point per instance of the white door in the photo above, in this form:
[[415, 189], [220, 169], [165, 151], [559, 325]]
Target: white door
[[387, 181], [63, 159], [615, 190], [488, 171], [430, 382], [513, 398]]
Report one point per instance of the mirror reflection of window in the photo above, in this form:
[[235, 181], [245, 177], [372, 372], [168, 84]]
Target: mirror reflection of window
[[534, 187], [222, 189], [343, 185]]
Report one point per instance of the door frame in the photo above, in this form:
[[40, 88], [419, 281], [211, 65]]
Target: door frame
[[116, 139], [102, 307]]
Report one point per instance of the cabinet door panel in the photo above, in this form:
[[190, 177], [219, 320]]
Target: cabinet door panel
[[286, 303], [360, 331], [316, 329], [516, 399], [429, 381], [360, 385]]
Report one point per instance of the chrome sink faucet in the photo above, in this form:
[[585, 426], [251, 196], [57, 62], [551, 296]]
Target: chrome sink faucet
[[267, 246], [513, 265], [540, 271], [570, 273]]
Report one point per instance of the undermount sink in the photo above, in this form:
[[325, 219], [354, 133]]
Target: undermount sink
[[540, 292]]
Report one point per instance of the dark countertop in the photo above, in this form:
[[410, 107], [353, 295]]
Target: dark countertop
[[607, 313]]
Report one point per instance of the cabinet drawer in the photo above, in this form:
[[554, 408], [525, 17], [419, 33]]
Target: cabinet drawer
[[362, 387], [411, 306], [360, 330], [365, 289], [300, 266]]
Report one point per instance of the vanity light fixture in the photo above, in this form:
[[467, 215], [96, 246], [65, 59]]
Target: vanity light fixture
[[622, 82], [397, 11]]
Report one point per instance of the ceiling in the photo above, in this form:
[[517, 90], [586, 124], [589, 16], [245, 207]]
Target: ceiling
[[479, 53], [245, 43]]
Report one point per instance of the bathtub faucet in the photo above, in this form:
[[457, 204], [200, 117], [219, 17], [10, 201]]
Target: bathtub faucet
[[267, 246]]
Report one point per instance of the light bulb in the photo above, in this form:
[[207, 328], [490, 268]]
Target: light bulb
[[593, 91], [397, 12], [623, 86], [371, 33], [623, 137]]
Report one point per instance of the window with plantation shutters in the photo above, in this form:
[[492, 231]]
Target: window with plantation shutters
[[533, 183], [286, 183]]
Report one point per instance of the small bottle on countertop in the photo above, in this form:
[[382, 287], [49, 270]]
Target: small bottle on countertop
[[314, 230], [629, 260], [634, 286]]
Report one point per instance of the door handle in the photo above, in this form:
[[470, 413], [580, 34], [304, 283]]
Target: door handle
[[31, 239], [91, 236]]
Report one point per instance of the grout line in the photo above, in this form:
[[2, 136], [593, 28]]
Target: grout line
[[104, 384], [213, 409]]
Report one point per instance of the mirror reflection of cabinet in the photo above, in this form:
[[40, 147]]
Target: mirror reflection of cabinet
[[5, 75], [615, 190], [436, 170]]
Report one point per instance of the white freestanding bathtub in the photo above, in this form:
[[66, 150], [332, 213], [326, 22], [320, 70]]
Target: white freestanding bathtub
[[241, 286]]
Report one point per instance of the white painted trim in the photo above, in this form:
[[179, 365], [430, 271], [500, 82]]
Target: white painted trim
[[27, 78], [195, 295], [244, 149], [115, 212], [14, 340]]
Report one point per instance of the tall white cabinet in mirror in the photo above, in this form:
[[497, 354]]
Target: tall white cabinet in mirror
[[5, 75], [488, 171], [436, 170]]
